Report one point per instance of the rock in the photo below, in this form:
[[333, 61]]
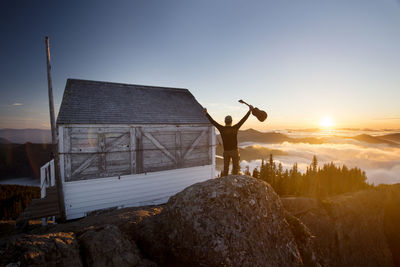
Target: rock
[[54, 249], [107, 246], [391, 222], [355, 229], [230, 221], [305, 241], [314, 216], [359, 219], [102, 245], [151, 237]]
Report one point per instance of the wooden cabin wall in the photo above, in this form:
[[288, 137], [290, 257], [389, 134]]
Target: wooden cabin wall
[[97, 151]]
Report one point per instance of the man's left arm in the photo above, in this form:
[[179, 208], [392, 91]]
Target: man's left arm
[[240, 123]]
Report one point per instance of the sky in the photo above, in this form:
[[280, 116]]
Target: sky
[[301, 61]]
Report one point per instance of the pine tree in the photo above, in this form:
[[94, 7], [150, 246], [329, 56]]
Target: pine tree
[[247, 171], [314, 164], [256, 173]]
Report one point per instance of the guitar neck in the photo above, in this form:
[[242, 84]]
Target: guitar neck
[[241, 101]]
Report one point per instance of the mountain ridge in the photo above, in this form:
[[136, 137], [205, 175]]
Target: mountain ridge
[[251, 135], [22, 136]]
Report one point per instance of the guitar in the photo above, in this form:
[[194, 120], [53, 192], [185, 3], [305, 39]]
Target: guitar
[[261, 115]]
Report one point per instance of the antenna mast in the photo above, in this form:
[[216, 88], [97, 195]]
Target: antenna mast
[[59, 185]]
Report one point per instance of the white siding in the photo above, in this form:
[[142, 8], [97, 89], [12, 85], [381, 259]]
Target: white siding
[[85, 196]]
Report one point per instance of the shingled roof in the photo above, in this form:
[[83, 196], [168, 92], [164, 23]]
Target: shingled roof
[[93, 102]]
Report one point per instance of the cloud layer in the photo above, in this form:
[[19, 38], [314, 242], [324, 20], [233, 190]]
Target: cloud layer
[[380, 162]]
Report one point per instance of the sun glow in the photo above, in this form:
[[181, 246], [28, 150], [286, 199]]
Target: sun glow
[[326, 122]]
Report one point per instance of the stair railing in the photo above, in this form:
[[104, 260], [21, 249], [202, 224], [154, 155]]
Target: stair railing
[[47, 179]]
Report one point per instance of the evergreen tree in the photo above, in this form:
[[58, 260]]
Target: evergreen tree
[[247, 171], [256, 173]]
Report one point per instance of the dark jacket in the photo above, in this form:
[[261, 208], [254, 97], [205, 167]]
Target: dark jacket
[[229, 133]]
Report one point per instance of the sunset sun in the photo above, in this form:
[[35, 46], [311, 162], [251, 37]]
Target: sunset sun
[[326, 122]]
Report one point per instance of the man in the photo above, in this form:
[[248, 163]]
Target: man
[[229, 140]]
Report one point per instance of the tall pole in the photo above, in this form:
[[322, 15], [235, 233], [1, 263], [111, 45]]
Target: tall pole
[[59, 185]]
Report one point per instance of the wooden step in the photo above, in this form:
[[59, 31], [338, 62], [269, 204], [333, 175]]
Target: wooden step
[[42, 208]]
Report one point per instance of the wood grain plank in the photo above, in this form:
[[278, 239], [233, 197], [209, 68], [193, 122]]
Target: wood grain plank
[[132, 144], [159, 146], [95, 129], [87, 162], [139, 150], [86, 135], [102, 156], [194, 144], [61, 150], [178, 148], [67, 149]]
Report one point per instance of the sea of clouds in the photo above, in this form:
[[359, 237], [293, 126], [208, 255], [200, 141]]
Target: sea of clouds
[[380, 162]]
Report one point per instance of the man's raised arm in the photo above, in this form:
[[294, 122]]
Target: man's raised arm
[[240, 123], [216, 124]]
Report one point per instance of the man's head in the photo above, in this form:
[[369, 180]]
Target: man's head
[[228, 120]]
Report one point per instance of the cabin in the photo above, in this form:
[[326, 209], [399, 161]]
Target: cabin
[[124, 145]]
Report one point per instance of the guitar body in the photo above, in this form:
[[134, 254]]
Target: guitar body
[[261, 115]]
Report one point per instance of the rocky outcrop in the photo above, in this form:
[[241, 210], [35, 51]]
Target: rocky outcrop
[[107, 246], [310, 252], [357, 229], [231, 221], [95, 246], [315, 217], [54, 249], [391, 221]]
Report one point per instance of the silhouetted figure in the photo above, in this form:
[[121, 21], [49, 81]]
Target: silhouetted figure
[[229, 140]]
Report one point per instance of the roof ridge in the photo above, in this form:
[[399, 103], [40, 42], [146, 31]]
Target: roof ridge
[[126, 84]]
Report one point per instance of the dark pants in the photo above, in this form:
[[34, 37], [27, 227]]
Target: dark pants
[[228, 155]]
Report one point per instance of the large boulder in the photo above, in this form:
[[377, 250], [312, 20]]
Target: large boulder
[[230, 221], [107, 246], [54, 249]]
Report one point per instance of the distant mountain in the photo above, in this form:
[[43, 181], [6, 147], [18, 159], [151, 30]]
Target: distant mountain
[[4, 141], [23, 160], [21, 136], [251, 135], [373, 139], [253, 152], [391, 137]]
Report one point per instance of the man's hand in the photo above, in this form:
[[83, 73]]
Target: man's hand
[[251, 107], [205, 110]]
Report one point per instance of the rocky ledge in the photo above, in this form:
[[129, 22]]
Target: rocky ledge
[[229, 221]]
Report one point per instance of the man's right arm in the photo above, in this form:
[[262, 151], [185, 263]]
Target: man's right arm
[[216, 124]]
